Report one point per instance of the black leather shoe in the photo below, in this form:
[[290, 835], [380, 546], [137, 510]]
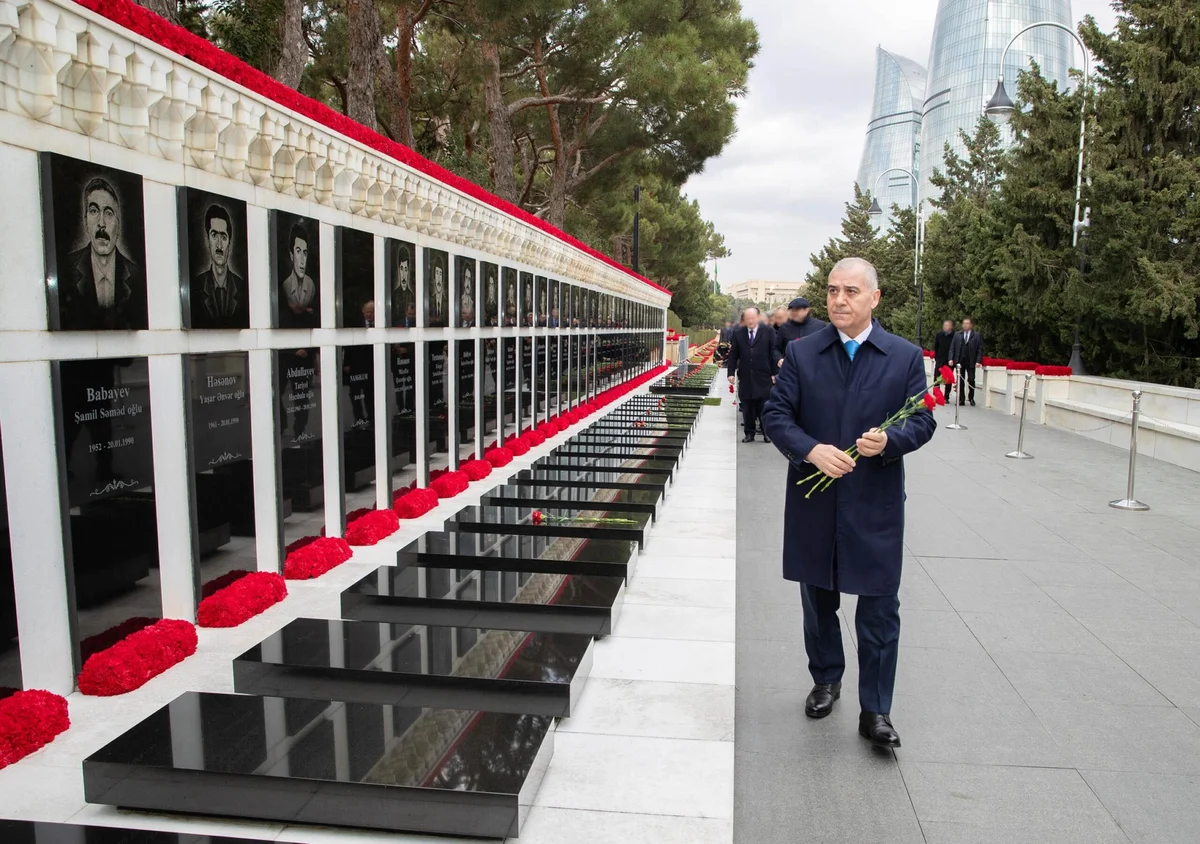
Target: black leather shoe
[[748, 439], [877, 728], [820, 699], [972, 402], [766, 439]]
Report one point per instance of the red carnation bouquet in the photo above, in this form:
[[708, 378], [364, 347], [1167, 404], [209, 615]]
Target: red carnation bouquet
[[476, 470], [316, 558], [372, 526], [30, 720], [244, 598], [415, 503], [139, 657], [926, 400]]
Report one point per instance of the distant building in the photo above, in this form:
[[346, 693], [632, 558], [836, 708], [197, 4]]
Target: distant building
[[894, 132], [771, 292], [964, 64]]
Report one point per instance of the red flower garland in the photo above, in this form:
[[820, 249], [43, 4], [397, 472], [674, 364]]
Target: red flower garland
[[138, 658], [316, 558], [29, 721], [242, 600], [996, 361], [535, 437], [476, 470], [178, 39], [927, 353], [547, 430], [1053, 371], [415, 503], [300, 543], [498, 457], [518, 446], [372, 526], [450, 484], [1021, 366]]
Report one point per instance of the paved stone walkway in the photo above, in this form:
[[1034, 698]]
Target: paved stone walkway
[[1049, 678]]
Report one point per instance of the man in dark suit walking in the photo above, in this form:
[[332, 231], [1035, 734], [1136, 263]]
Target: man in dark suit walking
[[835, 387], [941, 345], [753, 355], [967, 351]]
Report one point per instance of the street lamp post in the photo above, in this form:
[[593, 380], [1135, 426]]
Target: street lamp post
[[876, 210], [1001, 106]]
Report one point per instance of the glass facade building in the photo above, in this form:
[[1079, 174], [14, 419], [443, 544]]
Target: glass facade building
[[894, 133], [964, 63]]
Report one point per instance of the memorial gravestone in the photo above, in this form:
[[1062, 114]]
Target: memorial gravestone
[[468, 404], [437, 288], [213, 260], [93, 225], [301, 462], [526, 303], [541, 300], [402, 283], [417, 665], [296, 270], [529, 406], [510, 553], [541, 384], [489, 390], [512, 312], [465, 290], [31, 832], [489, 283], [357, 408], [437, 425], [403, 432], [355, 281], [511, 421], [570, 520]]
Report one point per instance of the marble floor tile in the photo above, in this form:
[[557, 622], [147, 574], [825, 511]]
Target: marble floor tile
[[667, 660], [654, 710], [678, 592], [547, 825], [702, 624]]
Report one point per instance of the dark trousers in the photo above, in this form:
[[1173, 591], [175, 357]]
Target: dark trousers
[[968, 374], [751, 414], [877, 623]]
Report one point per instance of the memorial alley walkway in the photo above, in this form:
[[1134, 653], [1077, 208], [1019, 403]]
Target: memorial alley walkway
[[1049, 677]]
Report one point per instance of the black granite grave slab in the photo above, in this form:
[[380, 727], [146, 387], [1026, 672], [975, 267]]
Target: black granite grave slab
[[441, 771], [417, 665], [616, 451], [579, 521], [590, 479], [606, 463], [641, 432], [508, 552], [548, 494], [671, 450], [438, 595], [39, 832]]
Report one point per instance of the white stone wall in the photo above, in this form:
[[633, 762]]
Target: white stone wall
[[73, 83]]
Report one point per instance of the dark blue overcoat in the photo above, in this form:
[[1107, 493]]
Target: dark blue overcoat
[[823, 397]]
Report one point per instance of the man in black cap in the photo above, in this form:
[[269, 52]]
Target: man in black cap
[[799, 324]]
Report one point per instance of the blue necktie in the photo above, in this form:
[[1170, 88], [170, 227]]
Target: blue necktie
[[852, 348]]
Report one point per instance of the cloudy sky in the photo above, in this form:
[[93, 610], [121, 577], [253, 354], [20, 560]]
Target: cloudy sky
[[777, 192]]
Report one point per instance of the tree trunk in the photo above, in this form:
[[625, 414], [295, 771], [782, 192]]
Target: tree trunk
[[168, 9], [556, 207], [293, 55], [504, 180], [404, 48], [364, 38]]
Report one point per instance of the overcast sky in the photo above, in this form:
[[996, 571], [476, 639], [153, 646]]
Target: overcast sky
[[777, 192]]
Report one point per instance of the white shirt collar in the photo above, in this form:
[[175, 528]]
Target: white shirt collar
[[860, 339]]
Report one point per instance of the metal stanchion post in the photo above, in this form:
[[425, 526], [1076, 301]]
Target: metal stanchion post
[[1129, 502], [958, 398], [1020, 454]]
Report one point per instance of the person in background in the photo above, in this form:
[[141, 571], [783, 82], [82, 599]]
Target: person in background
[[800, 324], [778, 318], [941, 345], [752, 357], [967, 352], [726, 335]]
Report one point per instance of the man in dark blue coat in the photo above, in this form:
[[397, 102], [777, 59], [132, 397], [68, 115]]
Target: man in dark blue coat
[[834, 388], [754, 356]]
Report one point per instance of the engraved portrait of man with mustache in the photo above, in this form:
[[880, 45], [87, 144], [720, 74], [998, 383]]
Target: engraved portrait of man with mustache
[[219, 293], [100, 287]]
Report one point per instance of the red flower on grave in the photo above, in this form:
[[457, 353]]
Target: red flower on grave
[[939, 396], [536, 517], [930, 401], [947, 375]]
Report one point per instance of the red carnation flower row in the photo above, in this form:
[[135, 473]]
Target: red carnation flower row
[[1055, 371], [498, 457], [29, 721], [139, 657], [218, 583], [415, 503], [104, 641], [243, 599], [519, 446], [1021, 366], [476, 470], [372, 526], [316, 558], [450, 484]]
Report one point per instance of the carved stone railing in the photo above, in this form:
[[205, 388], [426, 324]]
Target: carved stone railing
[[65, 66]]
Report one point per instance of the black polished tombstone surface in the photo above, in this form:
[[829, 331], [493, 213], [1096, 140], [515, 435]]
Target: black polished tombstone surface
[[634, 432], [582, 521], [38, 832], [590, 478], [443, 771], [508, 552], [541, 602], [548, 494], [617, 457], [617, 464], [418, 665], [663, 450]]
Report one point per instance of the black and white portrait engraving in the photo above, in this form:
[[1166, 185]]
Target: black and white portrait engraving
[[509, 277], [213, 250], [437, 288], [402, 280], [94, 223], [297, 270], [465, 295]]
